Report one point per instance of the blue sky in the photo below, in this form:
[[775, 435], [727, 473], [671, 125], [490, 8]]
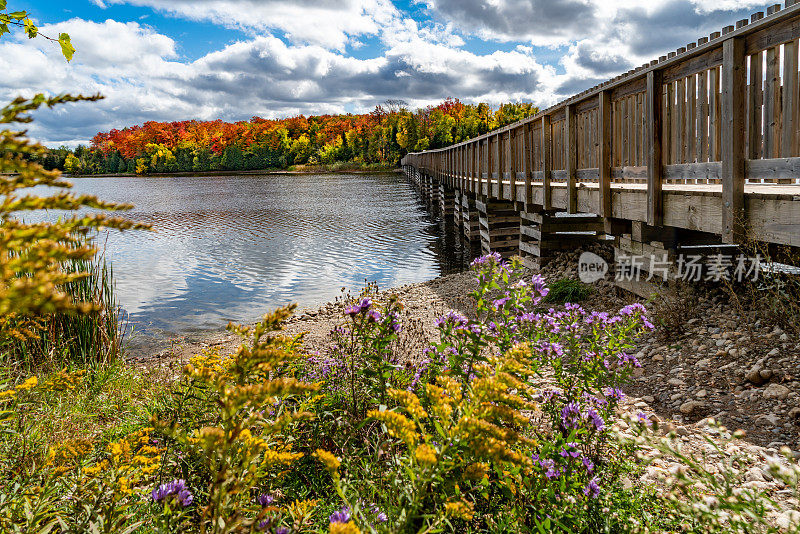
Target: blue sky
[[234, 59]]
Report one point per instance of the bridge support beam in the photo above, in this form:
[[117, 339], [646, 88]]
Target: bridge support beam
[[499, 227], [470, 219], [544, 233], [447, 201]]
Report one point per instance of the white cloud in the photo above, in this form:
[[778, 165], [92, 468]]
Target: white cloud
[[329, 23], [139, 71]]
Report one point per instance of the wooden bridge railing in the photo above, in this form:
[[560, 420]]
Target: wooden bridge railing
[[723, 110]]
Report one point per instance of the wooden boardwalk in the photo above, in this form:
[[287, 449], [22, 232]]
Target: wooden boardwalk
[[703, 140]]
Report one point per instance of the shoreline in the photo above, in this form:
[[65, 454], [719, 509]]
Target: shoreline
[[682, 383], [717, 363], [201, 174]]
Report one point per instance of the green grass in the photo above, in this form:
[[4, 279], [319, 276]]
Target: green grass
[[567, 290]]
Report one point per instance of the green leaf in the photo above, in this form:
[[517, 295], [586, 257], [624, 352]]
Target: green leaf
[[4, 29], [31, 29], [66, 46], [2, 4], [18, 15]]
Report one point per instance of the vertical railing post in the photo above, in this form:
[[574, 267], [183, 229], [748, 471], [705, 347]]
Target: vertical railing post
[[463, 182], [789, 99], [471, 156], [655, 111], [605, 132], [733, 137], [500, 164], [526, 161], [571, 158], [547, 162], [512, 163]]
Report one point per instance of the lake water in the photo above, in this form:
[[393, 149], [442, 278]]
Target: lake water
[[232, 247]]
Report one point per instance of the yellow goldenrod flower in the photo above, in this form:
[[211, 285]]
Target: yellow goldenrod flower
[[330, 461], [425, 455], [409, 401], [28, 384], [398, 425], [476, 471], [459, 509], [344, 528]]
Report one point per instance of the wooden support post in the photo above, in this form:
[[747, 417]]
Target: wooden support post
[[733, 136], [605, 133], [655, 211], [547, 162], [512, 163], [526, 161], [571, 155], [788, 140]]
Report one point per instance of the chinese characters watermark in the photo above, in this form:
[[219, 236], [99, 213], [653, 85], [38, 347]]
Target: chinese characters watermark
[[690, 268]]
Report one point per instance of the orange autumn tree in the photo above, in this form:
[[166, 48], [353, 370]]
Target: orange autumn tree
[[378, 138]]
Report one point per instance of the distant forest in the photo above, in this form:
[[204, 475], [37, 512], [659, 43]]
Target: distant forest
[[372, 140]]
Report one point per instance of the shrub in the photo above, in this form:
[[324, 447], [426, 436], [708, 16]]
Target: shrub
[[507, 425], [567, 290]]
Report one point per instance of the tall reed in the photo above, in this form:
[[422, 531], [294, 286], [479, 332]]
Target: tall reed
[[73, 338]]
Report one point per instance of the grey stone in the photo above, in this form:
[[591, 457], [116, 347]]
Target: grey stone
[[776, 391]]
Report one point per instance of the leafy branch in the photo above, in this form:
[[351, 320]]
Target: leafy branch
[[21, 19]]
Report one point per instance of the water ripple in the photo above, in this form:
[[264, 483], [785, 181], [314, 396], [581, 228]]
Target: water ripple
[[231, 247]]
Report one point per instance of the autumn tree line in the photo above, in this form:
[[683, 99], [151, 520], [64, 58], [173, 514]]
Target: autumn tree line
[[373, 140]]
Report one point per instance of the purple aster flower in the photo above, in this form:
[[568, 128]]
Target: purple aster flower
[[598, 422], [341, 516], [588, 464], [537, 282], [499, 303], [614, 393], [352, 311], [592, 489], [365, 304], [571, 415], [630, 309], [176, 488], [265, 499], [373, 316], [643, 419]]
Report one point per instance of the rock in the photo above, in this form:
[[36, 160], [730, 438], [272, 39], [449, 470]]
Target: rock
[[689, 407], [766, 374], [701, 394], [650, 400], [770, 419], [754, 375], [677, 382], [703, 364], [788, 520], [776, 391], [794, 414], [773, 352], [754, 474]]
